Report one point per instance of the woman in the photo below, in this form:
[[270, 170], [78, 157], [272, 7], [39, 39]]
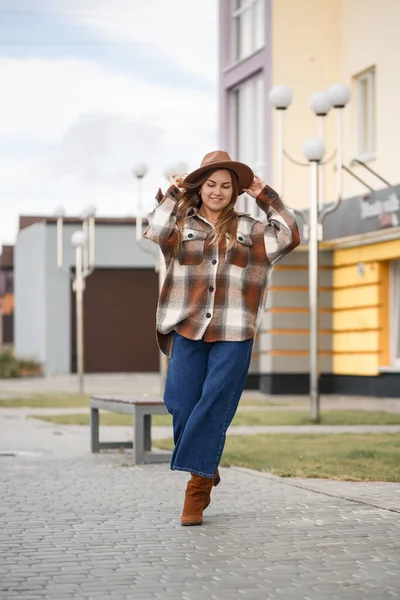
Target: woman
[[211, 305]]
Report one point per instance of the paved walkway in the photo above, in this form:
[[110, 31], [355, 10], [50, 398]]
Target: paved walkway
[[83, 526]]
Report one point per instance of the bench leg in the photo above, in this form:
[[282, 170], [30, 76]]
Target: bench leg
[[94, 429], [147, 433], [138, 438]]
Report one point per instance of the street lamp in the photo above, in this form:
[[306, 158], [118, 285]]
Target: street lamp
[[280, 97], [320, 104], [139, 171], [314, 150], [337, 96], [88, 227], [79, 241], [178, 168], [84, 242]]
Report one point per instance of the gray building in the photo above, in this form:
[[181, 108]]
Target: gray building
[[119, 302]]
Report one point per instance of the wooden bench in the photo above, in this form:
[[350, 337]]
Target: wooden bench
[[142, 408]]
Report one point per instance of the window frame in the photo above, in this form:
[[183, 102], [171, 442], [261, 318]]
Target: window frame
[[257, 162], [366, 114], [236, 15]]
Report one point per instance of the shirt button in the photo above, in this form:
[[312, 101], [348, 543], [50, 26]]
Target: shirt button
[[190, 235], [211, 289], [240, 238], [176, 190], [208, 315], [214, 262]]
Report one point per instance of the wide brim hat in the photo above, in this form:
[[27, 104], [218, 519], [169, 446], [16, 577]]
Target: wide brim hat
[[221, 160]]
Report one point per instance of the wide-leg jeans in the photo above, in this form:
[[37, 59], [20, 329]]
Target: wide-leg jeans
[[205, 381]]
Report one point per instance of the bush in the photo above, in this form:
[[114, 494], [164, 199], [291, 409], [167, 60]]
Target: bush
[[10, 366]]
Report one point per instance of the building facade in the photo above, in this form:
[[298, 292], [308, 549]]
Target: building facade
[[120, 299], [7, 296], [308, 46]]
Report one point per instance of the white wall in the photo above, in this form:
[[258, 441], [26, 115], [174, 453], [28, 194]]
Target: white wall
[[43, 326], [30, 293]]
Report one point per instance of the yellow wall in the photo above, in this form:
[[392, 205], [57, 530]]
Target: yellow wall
[[361, 308], [316, 43], [369, 30], [305, 42]]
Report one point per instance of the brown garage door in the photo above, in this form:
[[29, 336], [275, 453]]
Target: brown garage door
[[119, 321]]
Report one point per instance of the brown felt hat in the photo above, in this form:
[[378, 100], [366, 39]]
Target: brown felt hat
[[221, 160]]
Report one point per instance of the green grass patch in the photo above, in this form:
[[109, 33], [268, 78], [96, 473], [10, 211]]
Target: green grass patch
[[348, 457], [47, 401], [262, 402], [57, 400], [105, 419], [301, 417], [244, 418]]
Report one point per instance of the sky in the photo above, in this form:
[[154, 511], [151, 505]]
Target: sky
[[91, 88]]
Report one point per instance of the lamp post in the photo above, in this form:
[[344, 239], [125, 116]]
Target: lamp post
[[88, 228], [139, 171], [314, 150], [280, 97], [337, 97], [79, 240], [83, 241], [320, 104]]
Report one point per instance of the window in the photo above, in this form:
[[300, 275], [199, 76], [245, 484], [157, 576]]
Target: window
[[365, 91], [248, 27], [395, 313], [247, 129]]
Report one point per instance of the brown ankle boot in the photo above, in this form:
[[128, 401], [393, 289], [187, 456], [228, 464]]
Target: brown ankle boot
[[196, 491], [215, 481]]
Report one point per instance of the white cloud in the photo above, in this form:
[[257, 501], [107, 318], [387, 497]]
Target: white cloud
[[73, 128], [83, 128]]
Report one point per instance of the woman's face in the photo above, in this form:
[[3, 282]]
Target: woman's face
[[216, 192]]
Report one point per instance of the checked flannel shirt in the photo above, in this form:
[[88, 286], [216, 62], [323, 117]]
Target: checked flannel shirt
[[209, 292]]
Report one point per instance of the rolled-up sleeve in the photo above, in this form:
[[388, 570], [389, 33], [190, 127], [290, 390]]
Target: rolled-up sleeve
[[162, 228], [281, 233]]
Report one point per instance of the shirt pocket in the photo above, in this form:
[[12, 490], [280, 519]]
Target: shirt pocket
[[239, 255], [192, 249]]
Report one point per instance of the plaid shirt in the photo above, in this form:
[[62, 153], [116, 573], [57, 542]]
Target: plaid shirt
[[209, 292]]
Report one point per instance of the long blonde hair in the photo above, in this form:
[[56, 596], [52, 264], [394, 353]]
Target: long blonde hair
[[227, 221]]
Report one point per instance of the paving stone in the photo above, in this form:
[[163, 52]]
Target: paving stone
[[75, 525]]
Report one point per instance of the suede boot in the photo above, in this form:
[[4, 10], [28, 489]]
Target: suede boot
[[215, 481], [195, 498]]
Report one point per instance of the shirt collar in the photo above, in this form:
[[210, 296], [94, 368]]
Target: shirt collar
[[194, 212]]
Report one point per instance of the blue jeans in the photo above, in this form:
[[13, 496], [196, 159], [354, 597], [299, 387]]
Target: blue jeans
[[205, 381]]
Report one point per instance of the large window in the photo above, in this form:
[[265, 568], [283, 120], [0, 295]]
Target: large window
[[248, 27], [247, 129], [365, 103], [395, 313]]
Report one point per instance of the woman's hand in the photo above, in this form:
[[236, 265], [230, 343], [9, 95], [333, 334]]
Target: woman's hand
[[256, 187], [177, 181]]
